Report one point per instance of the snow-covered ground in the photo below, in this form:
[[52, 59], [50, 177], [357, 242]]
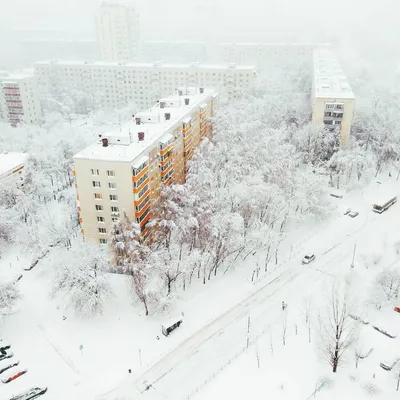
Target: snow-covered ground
[[89, 358]]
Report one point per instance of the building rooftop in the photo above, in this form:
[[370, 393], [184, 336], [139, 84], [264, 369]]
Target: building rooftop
[[329, 79], [124, 146], [11, 161], [144, 65]]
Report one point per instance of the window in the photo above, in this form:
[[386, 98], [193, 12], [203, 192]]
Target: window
[[99, 208], [114, 209], [97, 195], [114, 219], [102, 230], [103, 241], [100, 219], [95, 172], [112, 185], [113, 197], [140, 219], [142, 204], [96, 184], [141, 180], [110, 173], [338, 122], [143, 191]]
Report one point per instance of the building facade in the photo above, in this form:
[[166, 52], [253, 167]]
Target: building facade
[[20, 99], [115, 85], [333, 98], [117, 29], [123, 172]]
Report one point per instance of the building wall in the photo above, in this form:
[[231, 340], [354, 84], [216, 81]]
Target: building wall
[[117, 86], [20, 100], [118, 32], [318, 115], [86, 201]]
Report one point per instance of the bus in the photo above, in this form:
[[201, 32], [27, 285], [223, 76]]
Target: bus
[[384, 205]]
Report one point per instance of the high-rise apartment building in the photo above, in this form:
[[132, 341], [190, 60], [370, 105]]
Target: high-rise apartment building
[[19, 99], [332, 99], [117, 28], [124, 171], [115, 85]]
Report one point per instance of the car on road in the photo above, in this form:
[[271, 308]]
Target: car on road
[[4, 354], [353, 214], [347, 211], [308, 259], [30, 394]]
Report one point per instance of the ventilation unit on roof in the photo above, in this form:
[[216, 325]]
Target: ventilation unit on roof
[[137, 121], [162, 104], [104, 141], [140, 136], [167, 116], [180, 92], [201, 90], [187, 101]]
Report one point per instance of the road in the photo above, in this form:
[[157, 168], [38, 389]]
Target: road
[[187, 367]]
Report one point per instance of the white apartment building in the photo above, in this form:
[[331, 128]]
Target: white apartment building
[[263, 53], [124, 171], [333, 98], [115, 85], [117, 28], [19, 99], [173, 51]]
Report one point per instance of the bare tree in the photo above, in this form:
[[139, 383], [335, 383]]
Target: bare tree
[[388, 283], [337, 328]]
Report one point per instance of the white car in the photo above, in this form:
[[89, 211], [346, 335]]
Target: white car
[[308, 259], [353, 214]]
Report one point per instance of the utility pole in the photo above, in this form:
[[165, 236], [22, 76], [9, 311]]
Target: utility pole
[[354, 254]]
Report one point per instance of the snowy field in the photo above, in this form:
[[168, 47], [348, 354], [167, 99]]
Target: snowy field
[[230, 344]]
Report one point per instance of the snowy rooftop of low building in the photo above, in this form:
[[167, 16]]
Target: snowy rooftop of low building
[[124, 146], [17, 76], [137, 65], [329, 79], [11, 161]]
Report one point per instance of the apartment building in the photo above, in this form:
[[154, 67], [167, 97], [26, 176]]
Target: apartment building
[[264, 53], [115, 85], [11, 165], [173, 51], [124, 171], [19, 99], [333, 98], [117, 29]]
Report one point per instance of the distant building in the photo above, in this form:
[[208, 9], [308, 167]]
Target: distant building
[[124, 171], [264, 53], [173, 51], [332, 98], [12, 165], [117, 28], [19, 99], [117, 84]]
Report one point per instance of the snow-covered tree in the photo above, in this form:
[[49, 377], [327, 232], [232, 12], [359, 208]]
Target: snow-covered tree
[[9, 295], [81, 277]]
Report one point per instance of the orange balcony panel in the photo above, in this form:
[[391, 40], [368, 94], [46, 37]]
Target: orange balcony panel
[[144, 183], [187, 138], [79, 209], [145, 220], [73, 172], [163, 162], [135, 178], [77, 197], [142, 211], [82, 231], [163, 173], [167, 182], [80, 219], [166, 150], [76, 186], [137, 202], [188, 146], [186, 130]]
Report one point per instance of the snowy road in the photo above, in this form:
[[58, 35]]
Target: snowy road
[[187, 367]]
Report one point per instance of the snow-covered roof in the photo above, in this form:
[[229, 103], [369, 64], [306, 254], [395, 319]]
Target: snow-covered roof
[[10, 77], [153, 131], [99, 64], [329, 79], [9, 162]]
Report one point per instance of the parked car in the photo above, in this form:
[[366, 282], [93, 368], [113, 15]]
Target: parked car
[[7, 364], [337, 195], [13, 374], [347, 211], [30, 394], [4, 346], [6, 354], [353, 214], [308, 259]]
